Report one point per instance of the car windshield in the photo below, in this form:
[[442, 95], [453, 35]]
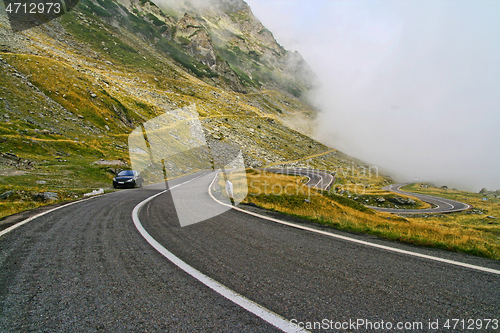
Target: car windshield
[[126, 173]]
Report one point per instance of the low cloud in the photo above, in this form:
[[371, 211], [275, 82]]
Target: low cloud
[[409, 86]]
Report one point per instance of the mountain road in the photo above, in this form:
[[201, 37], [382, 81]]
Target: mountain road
[[442, 205], [121, 262]]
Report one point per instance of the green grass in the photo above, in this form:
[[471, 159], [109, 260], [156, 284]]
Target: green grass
[[70, 180], [117, 49]]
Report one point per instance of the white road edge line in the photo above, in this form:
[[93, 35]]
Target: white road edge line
[[330, 183], [388, 248], [320, 181], [23, 222], [18, 224], [258, 310]]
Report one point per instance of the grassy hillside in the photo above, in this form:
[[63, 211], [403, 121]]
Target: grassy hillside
[[74, 89]]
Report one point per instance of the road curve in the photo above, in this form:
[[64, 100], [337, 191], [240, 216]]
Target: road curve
[[87, 268], [317, 178], [442, 205]]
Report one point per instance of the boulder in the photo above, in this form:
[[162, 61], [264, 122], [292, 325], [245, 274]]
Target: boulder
[[7, 194], [111, 163], [50, 196], [397, 201], [45, 196], [402, 201]]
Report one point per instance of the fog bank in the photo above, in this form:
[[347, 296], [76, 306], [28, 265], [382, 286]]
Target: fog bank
[[409, 86]]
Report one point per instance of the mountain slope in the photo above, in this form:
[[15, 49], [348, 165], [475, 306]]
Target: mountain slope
[[73, 89]]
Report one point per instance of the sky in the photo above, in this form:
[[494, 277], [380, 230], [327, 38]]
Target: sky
[[412, 87]]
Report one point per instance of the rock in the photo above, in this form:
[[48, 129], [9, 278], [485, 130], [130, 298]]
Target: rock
[[474, 211], [50, 196], [45, 196], [483, 190], [93, 95], [444, 187], [7, 194], [307, 201], [380, 200], [94, 192], [12, 156], [491, 217], [397, 200], [41, 182], [402, 201], [110, 162], [80, 116], [106, 127]]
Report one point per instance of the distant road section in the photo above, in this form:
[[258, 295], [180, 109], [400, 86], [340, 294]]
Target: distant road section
[[443, 205], [317, 178]]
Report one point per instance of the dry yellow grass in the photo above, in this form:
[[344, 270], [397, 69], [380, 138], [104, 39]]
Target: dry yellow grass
[[342, 213], [9, 208]]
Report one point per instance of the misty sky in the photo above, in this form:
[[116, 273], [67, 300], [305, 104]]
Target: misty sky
[[409, 86]]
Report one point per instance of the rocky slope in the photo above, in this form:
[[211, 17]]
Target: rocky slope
[[72, 90]]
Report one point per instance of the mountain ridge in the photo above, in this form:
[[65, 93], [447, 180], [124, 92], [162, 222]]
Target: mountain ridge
[[73, 90]]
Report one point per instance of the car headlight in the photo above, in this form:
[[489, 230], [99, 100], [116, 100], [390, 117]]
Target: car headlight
[[114, 179], [130, 180]]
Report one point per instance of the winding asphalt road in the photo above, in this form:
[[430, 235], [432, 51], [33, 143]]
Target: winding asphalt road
[[87, 268], [442, 205], [317, 178]]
